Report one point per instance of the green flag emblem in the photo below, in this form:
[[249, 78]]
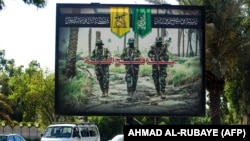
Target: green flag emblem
[[141, 21]]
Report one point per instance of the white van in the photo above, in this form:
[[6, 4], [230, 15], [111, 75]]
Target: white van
[[71, 132]]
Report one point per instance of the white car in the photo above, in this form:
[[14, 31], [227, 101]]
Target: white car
[[71, 132], [119, 137]]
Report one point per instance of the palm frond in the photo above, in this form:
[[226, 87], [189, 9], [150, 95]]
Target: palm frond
[[5, 108]]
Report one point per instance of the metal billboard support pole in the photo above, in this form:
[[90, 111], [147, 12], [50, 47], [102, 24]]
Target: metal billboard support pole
[[129, 121]]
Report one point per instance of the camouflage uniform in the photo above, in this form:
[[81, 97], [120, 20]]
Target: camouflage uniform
[[101, 70], [131, 53], [159, 72]]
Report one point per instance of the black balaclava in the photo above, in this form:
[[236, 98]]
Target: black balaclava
[[158, 44], [99, 46], [131, 45]]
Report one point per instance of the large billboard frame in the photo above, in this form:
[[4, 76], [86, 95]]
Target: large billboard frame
[[79, 26]]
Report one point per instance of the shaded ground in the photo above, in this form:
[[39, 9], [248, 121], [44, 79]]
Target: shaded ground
[[182, 100]]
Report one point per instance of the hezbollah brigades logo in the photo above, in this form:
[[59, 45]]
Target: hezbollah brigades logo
[[119, 20]]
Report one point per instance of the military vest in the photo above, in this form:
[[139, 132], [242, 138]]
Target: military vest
[[103, 53], [130, 50], [162, 52]]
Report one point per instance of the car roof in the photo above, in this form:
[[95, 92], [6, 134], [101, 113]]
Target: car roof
[[9, 134], [73, 124], [62, 124]]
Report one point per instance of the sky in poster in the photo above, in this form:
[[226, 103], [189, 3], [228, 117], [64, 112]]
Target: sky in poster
[[28, 33]]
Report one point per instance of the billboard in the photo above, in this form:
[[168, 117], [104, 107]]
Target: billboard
[[130, 60]]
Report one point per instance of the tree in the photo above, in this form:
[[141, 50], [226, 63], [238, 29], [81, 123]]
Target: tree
[[221, 47], [104, 124], [33, 92], [71, 60], [37, 3], [223, 42], [21, 94], [237, 89], [5, 108], [44, 90]]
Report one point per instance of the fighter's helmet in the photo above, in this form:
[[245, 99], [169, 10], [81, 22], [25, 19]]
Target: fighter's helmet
[[158, 40], [167, 42], [99, 42], [131, 41]]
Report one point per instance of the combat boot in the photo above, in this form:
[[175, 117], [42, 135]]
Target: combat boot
[[103, 93], [130, 93], [106, 92], [162, 95], [158, 93]]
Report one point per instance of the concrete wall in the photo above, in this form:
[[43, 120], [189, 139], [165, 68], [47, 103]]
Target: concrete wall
[[27, 133]]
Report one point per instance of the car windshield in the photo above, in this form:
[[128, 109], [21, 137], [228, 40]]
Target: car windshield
[[88, 131], [58, 132], [3, 138]]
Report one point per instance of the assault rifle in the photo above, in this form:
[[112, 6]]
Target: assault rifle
[[157, 54], [100, 64], [157, 59], [132, 66], [131, 63]]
